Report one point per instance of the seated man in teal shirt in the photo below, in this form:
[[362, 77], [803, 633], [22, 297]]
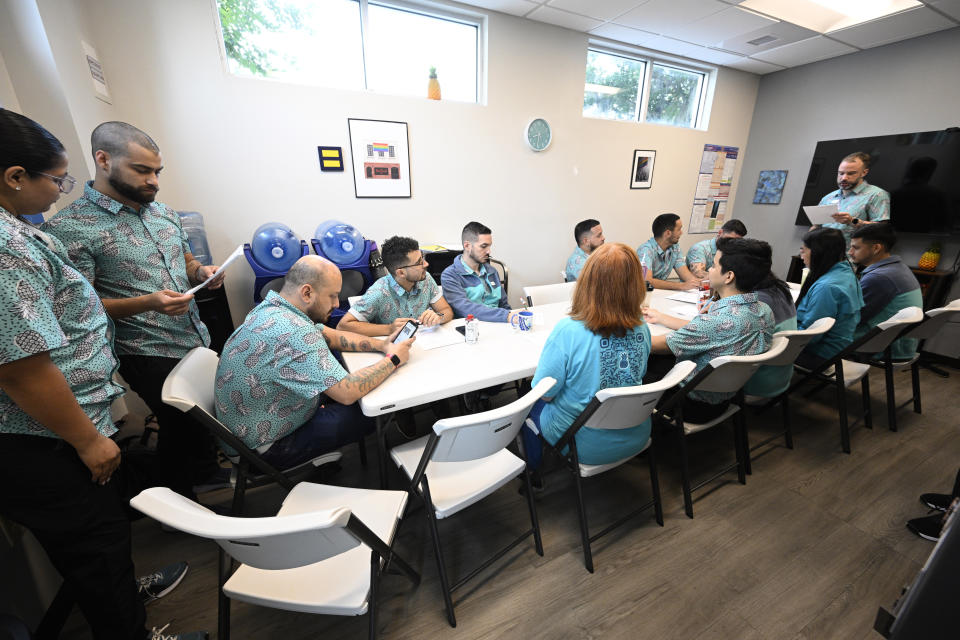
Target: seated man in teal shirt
[[588, 235], [408, 292], [736, 324], [471, 285], [278, 387], [858, 203], [660, 255], [700, 257], [887, 284]]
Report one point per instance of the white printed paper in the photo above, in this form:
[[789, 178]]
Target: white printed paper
[[226, 263], [821, 214]]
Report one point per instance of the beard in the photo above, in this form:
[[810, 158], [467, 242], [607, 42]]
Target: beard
[[145, 195]]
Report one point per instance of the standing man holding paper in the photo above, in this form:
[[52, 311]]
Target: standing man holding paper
[[135, 253], [858, 203]]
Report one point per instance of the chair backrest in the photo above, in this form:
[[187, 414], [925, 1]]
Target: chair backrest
[[191, 383], [548, 293], [798, 339], [440, 260], [283, 542], [625, 407], [934, 321], [482, 434], [891, 329], [503, 272], [730, 373]]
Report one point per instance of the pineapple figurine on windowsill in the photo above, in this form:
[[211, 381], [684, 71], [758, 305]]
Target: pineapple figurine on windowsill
[[930, 258], [433, 86]]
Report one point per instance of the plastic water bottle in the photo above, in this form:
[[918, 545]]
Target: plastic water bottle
[[643, 266], [275, 247], [471, 330], [341, 242], [192, 223]]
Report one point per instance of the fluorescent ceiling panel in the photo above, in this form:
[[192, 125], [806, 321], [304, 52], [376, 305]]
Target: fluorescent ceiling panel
[[825, 16]]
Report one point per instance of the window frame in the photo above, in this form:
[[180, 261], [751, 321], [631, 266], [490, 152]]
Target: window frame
[[439, 10], [707, 72]]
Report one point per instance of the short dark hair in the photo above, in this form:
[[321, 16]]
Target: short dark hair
[[583, 228], [877, 233], [664, 222], [735, 226], [395, 250], [862, 156], [472, 230], [24, 143], [114, 137], [749, 260]]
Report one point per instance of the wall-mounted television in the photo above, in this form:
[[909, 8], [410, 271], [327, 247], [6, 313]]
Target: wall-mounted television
[[921, 171]]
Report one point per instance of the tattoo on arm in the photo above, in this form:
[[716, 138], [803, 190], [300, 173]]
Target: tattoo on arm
[[344, 344], [368, 378], [366, 346]]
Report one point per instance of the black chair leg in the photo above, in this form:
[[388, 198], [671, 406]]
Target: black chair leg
[[372, 603], [239, 491], [745, 440], [534, 521], [738, 441], [867, 407], [582, 514], [915, 379], [685, 474], [362, 448], [438, 553], [224, 566], [891, 394], [787, 428], [842, 407], [655, 482]]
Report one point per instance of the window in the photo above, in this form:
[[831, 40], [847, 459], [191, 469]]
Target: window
[[353, 44], [622, 87]]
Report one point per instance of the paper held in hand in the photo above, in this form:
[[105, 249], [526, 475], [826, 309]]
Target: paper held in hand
[[821, 214], [226, 263]]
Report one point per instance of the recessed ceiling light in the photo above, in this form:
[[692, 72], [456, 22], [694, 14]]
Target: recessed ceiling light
[[825, 16]]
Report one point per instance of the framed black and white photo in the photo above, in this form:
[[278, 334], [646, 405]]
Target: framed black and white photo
[[641, 174], [381, 158]]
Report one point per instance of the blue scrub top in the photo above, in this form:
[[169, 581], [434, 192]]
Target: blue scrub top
[[836, 294]]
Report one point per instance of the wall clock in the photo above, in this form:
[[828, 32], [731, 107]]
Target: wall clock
[[538, 134]]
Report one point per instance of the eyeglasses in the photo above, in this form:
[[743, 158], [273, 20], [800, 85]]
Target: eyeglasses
[[419, 263], [65, 184]]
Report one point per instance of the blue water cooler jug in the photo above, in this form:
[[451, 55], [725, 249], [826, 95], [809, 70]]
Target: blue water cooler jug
[[271, 253], [192, 223], [346, 247]]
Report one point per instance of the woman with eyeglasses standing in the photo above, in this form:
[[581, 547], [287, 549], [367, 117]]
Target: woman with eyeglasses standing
[[60, 473]]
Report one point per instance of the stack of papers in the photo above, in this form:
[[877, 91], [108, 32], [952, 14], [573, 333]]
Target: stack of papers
[[691, 297], [683, 311]]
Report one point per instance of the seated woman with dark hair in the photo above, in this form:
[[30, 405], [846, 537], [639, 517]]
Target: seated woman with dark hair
[[770, 381], [738, 323], [604, 343], [830, 290]]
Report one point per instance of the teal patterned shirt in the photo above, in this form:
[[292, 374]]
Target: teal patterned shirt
[[575, 264], [865, 201], [127, 253], [273, 369], [48, 306], [738, 325], [386, 300], [703, 252], [660, 261]]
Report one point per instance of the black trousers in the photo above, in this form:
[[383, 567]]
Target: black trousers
[[83, 527], [187, 451], [693, 410]]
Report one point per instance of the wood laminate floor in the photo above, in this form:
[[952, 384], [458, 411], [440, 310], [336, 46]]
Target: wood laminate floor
[[807, 549]]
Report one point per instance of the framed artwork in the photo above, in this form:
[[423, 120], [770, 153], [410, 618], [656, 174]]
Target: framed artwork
[[770, 186], [641, 173], [381, 158]]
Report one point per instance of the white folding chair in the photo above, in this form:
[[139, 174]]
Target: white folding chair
[[464, 460], [726, 374], [548, 293], [190, 387], [324, 552], [615, 408]]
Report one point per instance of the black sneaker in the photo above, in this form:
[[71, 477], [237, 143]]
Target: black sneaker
[[158, 634], [219, 480], [159, 583], [927, 527], [938, 501]]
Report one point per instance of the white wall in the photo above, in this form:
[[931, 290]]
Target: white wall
[[243, 151], [8, 97]]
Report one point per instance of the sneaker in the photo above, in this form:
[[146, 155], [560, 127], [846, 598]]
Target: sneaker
[[938, 501], [159, 583], [927, 527], [158, 634], [219, 480]]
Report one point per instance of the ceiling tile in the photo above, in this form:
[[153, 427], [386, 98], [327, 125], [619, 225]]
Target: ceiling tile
[[755, 66], [623, 34], [949, 7], [804, 51], [901, 26], [662, 15], [599, 9], [563, 19], [513, 7], [781, 33], [714, 29]]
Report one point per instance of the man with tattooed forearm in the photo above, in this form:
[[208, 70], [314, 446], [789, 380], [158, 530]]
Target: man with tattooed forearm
[[280, 390]]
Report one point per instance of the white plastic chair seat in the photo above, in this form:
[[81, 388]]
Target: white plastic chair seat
[[337, 586], [853, 372], [903, 364], [692, 427], [457, 485], [588, 470]]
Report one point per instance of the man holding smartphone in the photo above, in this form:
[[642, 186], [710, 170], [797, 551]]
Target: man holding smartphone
[[407, 293], [278, 387]]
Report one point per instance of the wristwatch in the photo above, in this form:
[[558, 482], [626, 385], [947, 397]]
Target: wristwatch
[[855, 221], [395, 359]]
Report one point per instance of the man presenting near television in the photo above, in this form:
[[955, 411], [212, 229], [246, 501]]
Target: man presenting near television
[[858, 202]]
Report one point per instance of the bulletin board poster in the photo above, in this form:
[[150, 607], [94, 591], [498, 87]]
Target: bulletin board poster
[[714, 181]]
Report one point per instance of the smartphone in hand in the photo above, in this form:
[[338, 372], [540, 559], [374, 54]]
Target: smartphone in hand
[[407, 332]]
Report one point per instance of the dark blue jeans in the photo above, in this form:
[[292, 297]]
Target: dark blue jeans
[[332, 426], [532, 447]]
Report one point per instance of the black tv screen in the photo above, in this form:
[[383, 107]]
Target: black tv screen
[[920, 171]]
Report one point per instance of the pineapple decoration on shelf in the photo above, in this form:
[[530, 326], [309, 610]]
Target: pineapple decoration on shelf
[[433, 86], [930, 258]]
